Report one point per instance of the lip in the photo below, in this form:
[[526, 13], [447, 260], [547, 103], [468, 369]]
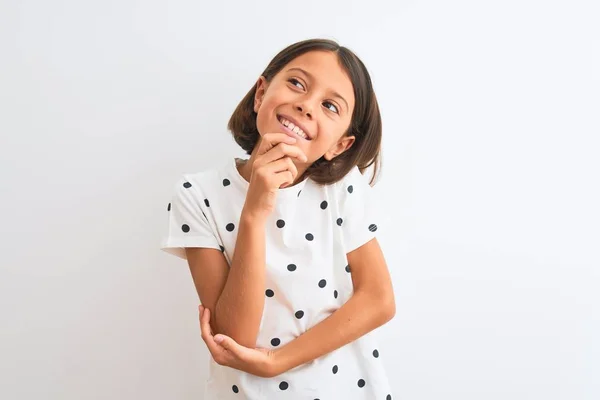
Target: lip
[[288, 132], [292, 120]]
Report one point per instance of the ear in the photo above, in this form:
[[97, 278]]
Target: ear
[[341, 146], [261, 88]]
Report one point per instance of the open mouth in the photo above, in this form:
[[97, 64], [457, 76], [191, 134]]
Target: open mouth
[[296, 131]]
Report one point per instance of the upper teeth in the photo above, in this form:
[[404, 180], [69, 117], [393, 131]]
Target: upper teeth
[[293, 128]]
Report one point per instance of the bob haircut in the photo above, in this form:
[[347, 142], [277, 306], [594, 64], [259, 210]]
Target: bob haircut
[[365, 123]]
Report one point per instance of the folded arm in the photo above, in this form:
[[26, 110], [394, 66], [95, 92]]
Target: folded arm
[[371, 305]]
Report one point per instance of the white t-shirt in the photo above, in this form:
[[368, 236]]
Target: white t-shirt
[[307, 237]]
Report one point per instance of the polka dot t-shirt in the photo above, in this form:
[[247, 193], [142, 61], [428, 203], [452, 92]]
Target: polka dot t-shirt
[[308, 277]]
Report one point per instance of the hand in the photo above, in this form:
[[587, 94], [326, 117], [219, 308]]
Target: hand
[[225, 351], [272, 169]]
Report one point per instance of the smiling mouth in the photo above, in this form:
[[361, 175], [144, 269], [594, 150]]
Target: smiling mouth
[[307, 138]]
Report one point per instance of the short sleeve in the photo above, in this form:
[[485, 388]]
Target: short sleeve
[[187, 224], [359, 210]]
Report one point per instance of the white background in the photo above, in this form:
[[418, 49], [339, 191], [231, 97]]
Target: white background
[[491, 116]]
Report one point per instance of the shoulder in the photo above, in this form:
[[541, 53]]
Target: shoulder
[[352, 181], [354, 192], [200, 181]]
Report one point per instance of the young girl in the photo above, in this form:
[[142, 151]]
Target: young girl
[[281, 246]]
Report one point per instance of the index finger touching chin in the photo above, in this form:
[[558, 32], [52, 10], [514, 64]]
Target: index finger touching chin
[[272, 139]]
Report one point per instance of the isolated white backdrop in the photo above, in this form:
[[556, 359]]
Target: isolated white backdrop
[[490, 180]]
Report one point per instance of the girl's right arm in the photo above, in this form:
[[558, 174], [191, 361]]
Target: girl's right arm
[[236, 294]]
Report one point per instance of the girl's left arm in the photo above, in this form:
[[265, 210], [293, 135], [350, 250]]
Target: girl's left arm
[[371, 306]]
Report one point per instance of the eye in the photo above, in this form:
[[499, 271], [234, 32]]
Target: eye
[[336, 109], [294, 80]]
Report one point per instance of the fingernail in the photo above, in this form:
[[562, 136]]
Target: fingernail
[[218, 339]]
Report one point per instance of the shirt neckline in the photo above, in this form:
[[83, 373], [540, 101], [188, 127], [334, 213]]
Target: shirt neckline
[[286, 192]]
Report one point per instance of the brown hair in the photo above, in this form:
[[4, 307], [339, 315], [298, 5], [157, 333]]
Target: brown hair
[[365, 124]]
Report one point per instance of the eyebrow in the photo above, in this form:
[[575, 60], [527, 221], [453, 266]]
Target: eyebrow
[[335, 94]]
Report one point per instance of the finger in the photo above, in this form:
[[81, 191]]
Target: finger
[[283, 164], [205, 325], [280, 171], [280, 151], [208, 331], [215, 349], [284, 179], [236, 350], [227, 343], [278, 137], [270, 140], [272, 170]]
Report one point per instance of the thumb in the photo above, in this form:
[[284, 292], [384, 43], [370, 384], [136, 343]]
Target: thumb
[[226, 342]]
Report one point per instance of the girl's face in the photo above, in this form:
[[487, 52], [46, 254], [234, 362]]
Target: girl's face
[[317, 94]]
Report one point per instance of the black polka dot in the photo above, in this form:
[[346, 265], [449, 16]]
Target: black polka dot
[[334, 369], [347, 268], [275, 342], [226, 182], [361, 383], [283, 385], [206, 202], [323, 205], [322, 283], [169, 207], [309, 237], [339, 221], [335, 294], [291, 267], [299, 314], [280, 223], [372, 227], [185, 228], [375, 353], [299, 192], [222, 249], [187, 185], [235, 389], [269, 293], [350, 189], [230, 227], [388, 397]]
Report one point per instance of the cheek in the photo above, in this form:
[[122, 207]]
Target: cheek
[[262, 119], [265, 112]]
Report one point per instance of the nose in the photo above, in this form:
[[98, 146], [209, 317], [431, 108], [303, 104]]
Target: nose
[[304, 109]]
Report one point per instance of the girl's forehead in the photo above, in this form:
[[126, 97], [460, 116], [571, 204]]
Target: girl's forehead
[[318, 64]]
